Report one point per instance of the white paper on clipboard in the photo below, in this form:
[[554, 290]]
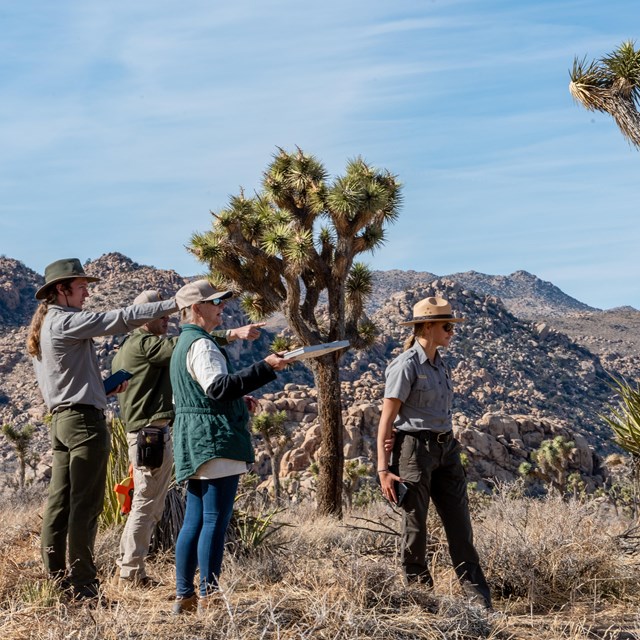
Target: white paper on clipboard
[[315, 350]]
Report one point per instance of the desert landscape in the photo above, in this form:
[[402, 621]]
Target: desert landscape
[[530, 365]]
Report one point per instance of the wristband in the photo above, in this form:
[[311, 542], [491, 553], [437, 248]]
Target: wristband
[[382, 471]]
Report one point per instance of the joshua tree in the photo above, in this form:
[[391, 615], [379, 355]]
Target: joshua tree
[[353, 471], [289, 244], [550, 463], [611, 85], [271, 426], [21, 441]]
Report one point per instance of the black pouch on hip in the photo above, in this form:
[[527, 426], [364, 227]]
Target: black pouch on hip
[[150, 447]]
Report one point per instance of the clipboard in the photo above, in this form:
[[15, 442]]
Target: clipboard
[[315, 350]]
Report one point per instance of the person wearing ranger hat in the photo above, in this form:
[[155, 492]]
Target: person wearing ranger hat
[[211, 442], [425, 455], [66, 366]]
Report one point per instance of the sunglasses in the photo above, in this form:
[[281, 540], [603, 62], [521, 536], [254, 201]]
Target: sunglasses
[[448, 327], [215, 302]]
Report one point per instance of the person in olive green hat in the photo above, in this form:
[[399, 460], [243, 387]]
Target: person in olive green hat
[[66, 367]]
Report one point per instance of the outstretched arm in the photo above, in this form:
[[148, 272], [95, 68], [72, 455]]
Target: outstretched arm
[[246, 332]]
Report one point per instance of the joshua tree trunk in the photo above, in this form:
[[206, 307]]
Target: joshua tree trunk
[[331, 459]]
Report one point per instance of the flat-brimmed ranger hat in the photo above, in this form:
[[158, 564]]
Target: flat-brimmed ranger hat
[[65, 269], [199, 291], [432, 310]]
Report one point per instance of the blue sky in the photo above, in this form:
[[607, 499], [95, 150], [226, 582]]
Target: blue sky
[[123, 124]]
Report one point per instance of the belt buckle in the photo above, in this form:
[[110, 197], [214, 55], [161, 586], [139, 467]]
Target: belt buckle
[[442, 437]]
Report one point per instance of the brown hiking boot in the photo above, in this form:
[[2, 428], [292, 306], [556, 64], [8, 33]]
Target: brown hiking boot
[[185, 604], [210, 602]]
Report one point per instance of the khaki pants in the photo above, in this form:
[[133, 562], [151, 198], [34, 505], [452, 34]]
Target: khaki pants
[[149, 491], [81, 443]]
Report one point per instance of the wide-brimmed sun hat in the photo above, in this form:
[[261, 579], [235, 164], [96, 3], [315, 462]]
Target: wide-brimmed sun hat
[[199, 291], [65, 269], [432, 310]]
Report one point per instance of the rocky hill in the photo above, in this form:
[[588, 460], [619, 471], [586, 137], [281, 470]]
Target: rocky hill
[[614, 334], [517, 381], [18, 285]]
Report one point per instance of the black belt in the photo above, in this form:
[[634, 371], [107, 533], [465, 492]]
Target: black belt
[[441, 437]]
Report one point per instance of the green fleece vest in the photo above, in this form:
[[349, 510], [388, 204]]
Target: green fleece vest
[[204, 428]]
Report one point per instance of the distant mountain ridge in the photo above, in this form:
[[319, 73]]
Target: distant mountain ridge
[[522, 293]]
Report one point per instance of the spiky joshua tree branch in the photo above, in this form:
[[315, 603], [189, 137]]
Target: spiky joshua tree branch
[[611, 85]]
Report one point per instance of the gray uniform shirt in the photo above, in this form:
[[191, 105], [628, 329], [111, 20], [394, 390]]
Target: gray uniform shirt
[[67, 371], [425, 391]]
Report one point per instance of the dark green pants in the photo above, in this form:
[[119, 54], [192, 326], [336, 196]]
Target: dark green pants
[[81, 443], [433, 472]]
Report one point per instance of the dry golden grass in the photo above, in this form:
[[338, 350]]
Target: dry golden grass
[[340, 581]]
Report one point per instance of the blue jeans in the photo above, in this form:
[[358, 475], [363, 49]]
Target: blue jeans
[[200, 543]]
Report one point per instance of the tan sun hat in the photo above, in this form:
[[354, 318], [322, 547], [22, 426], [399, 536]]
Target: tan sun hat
[[65, 269], [432, 310], [199, 291], [149, 295]]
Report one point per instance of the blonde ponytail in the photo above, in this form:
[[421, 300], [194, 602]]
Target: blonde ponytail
[[33, 339], [417, 331]]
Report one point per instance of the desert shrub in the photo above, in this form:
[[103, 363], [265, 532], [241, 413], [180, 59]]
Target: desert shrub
[[251, 533], [551, 551], [40, 593], [368, 493]]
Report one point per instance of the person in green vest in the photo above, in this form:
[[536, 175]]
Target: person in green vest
[[146, 407], [211, 442]]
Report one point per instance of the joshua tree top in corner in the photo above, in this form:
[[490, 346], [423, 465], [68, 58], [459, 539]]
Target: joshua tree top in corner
[[611, 85]]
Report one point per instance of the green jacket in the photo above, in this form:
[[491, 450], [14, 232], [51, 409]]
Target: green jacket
[[205, 428], [148, 396]]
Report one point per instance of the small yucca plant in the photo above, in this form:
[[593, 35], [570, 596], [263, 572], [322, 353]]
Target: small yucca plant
[[117, 469], [624, 417]]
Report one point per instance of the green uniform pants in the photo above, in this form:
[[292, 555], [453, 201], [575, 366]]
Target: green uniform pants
[[81, 443]]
